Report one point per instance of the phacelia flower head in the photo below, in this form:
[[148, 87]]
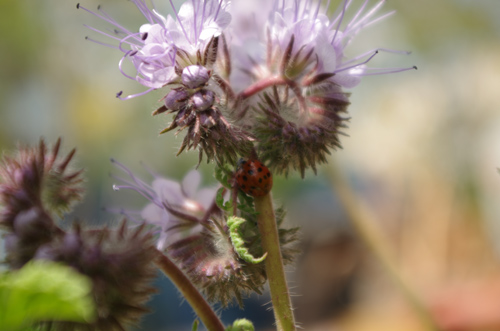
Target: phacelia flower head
[[194, 231], [272, 83], [35, 184], [199, 110], [298, 93], [120, 264], [164, 43]]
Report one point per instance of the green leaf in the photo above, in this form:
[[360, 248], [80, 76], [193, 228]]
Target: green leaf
[[238, 242], [223, 174], [44, 290], [219, 200]]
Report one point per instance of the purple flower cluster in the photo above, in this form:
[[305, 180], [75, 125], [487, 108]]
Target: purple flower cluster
[[262, 78], [160, 44], [37, 186]]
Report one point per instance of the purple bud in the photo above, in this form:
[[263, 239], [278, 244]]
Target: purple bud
[[11, 242], [195, 76], [45, 252], [207, 121], [203, 100], [31, 223], [176, 99], [91, 258], [72, 245]]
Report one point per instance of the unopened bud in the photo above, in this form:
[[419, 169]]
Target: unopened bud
[[203, 100], [31, 223], [72, 245], [45, 252], [195, 76], [176, 99], [207, 121], [11, 242]]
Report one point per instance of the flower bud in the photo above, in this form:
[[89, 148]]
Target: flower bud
[[203, 100], [207, 121], [31, 223], [176, 99], [46, 252], [195, 76], [11, 242], [72, 244]]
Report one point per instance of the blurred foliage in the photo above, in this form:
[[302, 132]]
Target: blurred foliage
[[41, 291]]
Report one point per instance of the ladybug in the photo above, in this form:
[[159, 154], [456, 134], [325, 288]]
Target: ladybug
[[253, 178]]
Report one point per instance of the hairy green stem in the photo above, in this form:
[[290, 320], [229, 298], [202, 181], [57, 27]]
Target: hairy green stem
[[275, 271], [200, 306], [365, 225]]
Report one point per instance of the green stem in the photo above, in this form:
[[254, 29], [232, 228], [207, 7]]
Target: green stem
[[200, 306], [372, 236], [275, 271]]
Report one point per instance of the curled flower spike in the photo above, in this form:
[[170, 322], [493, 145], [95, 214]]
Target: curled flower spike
[[198, 109], [165, 43]]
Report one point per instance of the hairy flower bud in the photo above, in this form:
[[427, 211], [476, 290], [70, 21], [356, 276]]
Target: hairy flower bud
[[203, 100], [208, 130], [195, 76], [32, 223], [11, 242], [120, 265], [33, 184], [176, 99], [37, 178]]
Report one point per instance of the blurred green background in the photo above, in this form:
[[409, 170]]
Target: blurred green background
[[423, 146]]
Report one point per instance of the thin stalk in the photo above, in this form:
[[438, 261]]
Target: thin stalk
[[200, 306], [262, 85], [275, 271], [365, 225]]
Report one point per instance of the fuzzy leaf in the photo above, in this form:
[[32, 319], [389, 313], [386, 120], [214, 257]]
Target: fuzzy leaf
[[219, 199], [44, 291], [239, 243], [222, 174]]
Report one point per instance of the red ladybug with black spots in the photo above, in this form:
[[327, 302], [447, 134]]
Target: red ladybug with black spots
[[253, 177]]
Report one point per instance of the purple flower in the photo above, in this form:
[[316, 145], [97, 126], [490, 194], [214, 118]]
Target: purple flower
[[171, 203], [272, 83], [295, 80], [304, 32], [154, 49], [313, 31]]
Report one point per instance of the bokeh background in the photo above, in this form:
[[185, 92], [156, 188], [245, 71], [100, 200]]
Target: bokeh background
[[422, 152]]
